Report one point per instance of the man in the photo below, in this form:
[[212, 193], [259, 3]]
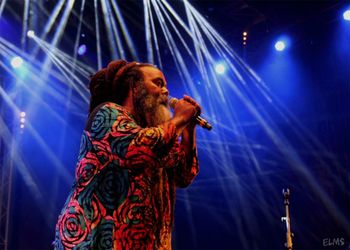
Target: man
[[130, 162]]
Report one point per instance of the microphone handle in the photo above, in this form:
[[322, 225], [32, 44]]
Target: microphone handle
[[203, 123]]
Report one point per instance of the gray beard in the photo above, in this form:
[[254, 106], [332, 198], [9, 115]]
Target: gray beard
[[150, 109], [161, 115]]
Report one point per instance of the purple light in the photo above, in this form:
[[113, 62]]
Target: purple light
[[82, 49]]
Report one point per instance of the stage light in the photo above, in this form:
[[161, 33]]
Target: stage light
[[220, 68], [280, 45], [16, 62], [346, 15], [22, 120], [31, 33], [245, 38], [82, 49]]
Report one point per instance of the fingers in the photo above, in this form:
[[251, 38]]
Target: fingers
[[194, 103]]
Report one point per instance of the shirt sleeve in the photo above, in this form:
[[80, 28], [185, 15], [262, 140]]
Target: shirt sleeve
[[132, 146], [183, 172]]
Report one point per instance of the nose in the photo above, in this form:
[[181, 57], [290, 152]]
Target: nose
[[165, 91]]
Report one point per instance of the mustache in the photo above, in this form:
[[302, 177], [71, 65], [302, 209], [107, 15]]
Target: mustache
[[163, 99]]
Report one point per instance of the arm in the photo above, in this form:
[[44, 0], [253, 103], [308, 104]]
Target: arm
[[114, 131], [187, 170], [150, 145]]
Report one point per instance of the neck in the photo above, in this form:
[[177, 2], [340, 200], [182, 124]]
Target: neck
[[129, 105]]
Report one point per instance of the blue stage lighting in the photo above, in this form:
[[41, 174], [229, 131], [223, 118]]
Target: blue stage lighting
[[346, 15], [16, 62], [220, 68], [82, 49], [280, 45]]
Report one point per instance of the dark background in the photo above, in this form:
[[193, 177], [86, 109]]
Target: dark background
[[221, 210]]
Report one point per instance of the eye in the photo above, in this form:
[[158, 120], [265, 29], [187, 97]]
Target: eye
[[159, 82]]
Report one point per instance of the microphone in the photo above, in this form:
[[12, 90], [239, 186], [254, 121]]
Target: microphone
[[200, 121]]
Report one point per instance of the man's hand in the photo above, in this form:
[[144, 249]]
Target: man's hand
[[185, 112]]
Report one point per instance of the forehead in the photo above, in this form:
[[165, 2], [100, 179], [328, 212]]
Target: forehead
[[151, 72]]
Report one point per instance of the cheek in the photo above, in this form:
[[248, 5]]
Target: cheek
[[154, 91]]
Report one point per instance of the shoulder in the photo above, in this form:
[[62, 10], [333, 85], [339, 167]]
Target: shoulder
[[108, 111], [113, 108], [110, 117], [108, 107], [103, 117]]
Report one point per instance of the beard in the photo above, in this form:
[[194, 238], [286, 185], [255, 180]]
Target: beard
[[150, 110]]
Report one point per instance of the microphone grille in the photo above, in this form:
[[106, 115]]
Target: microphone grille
[[172, 102]]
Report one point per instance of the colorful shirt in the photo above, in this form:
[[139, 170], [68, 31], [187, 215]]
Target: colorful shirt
[[124, 191]]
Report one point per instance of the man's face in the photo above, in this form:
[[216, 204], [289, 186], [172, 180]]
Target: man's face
[[151, 98], [155, 83]]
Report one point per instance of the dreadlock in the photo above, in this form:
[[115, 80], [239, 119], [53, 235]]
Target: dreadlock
[[112, 84]]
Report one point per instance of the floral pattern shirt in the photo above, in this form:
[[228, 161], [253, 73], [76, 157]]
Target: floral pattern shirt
[[124, 191]]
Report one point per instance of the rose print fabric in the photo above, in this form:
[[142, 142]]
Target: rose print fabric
[[124, 191]]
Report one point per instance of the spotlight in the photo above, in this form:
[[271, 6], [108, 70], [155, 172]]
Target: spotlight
[[280, 46], [220, 68], [82, 49], [22, 114], [346, 15], [16, 62], [31, 33]]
